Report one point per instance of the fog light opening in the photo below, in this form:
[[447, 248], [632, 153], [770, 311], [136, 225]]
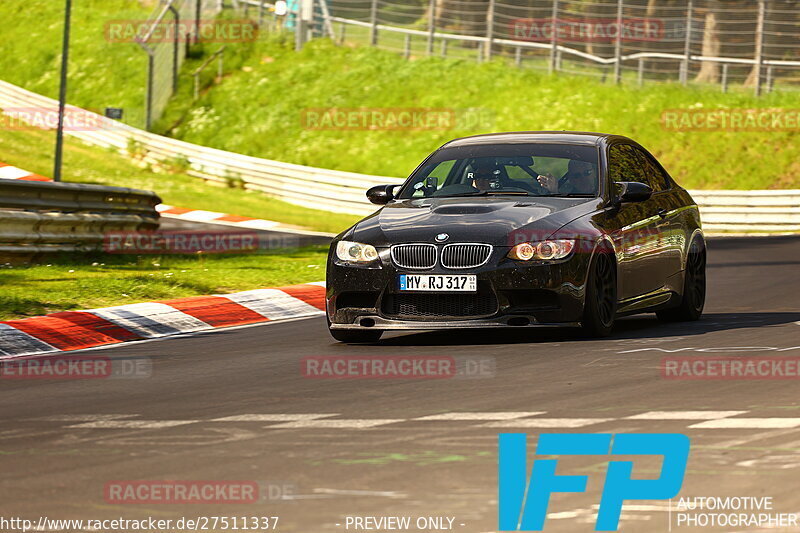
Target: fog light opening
[[519, 321], [366, 322]]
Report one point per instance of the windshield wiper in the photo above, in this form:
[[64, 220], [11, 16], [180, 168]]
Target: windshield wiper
[[487, 193], [476, 193]]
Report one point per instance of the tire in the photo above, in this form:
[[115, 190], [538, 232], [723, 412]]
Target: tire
[[351, 336], [693, 298], [600, 307]]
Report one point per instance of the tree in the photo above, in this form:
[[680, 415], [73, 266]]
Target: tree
[[709, 70]]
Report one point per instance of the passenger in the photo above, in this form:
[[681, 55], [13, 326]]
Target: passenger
[[581, 178]]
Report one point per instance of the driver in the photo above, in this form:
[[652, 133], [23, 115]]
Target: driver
[[581, 178], [484, 175]]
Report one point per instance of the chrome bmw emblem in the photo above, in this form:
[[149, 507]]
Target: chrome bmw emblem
[[442, 237]]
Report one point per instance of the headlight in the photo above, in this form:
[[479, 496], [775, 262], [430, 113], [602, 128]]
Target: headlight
[[355, 252], [543, 250]]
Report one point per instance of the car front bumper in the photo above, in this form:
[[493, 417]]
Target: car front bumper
[[536, 294]]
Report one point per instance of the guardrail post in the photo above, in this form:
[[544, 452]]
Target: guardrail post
[[431, 25], [490, 30], [618, 45], [760, 45], [373, 21], [770, 79], [518, 56], [641, 72], [260, 13], [481, 45], [724, 77], [444, 47], [553, 36], [343, 33], [687, 44], [407, 47]]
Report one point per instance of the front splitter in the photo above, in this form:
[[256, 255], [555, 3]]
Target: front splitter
[[509, 322]]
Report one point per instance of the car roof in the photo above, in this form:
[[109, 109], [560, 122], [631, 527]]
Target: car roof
[[527, 137]]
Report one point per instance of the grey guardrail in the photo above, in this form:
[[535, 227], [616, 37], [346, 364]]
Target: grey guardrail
[[41, 217], [771, 211], [328, 190], [343, 192]]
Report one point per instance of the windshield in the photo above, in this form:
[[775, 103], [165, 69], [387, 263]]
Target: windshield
[[507, 169]]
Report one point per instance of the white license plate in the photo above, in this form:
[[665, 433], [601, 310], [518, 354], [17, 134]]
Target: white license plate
[[438, 283]]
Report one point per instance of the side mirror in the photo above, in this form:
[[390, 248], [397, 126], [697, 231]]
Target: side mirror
[[632, 191], [381, 194]]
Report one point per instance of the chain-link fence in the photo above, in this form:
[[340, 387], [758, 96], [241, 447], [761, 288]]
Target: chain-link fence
[[173, 26], [749, 43], [753, 43]]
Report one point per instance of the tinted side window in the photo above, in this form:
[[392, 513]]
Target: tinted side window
[[624, 165], [656, 179]]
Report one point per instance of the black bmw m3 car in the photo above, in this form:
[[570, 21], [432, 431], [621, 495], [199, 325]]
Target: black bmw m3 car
[[520, 230]]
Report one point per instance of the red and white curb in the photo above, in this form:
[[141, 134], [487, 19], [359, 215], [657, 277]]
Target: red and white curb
[[212, 217], [78, 330], [9, 172], [198, 215]]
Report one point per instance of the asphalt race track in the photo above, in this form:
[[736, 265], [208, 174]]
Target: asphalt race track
[[62, 442]]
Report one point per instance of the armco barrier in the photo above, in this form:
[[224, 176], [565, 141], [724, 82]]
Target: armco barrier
[[329, 190], [40, 217], [343, 192], [749, 211]]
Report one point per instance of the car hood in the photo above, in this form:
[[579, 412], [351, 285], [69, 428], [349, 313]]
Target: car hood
[[492, 220]]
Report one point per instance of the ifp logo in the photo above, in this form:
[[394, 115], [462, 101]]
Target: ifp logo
[[520, 513]]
